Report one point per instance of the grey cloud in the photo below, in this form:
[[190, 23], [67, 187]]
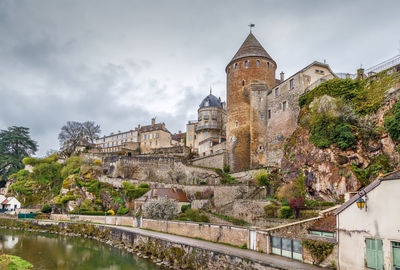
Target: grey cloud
[[120, 63]]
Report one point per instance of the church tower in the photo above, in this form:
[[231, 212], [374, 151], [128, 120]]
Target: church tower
[[250, 74]]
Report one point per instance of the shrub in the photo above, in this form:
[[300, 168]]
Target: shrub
[[111, 212], [392, 122], [285, 212], [185, 207], [160, 208], [197, 195], [193, 215], [97, 162], [312, 203], [262, 178], [46, 208], [344, 137], [227, 169], [98, 202], [122, 210], [308, 214], [67, 198], [72, 166], [319, 250], [235, 221], [322, 128], [143, 185], [271, 210], [244, 246]]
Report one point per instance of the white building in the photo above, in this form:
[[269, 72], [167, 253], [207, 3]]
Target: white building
[[9, 204], [368, 227]]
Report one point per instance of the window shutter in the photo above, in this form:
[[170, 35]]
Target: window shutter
[[371, 253], [374, 253]]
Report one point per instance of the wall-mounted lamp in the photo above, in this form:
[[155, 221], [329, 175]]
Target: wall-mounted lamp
[[361, 203]]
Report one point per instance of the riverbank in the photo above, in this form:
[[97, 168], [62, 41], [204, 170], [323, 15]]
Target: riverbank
[[170, 251]]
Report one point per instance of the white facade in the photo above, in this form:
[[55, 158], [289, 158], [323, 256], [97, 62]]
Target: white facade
[[10, 204], [368, 237]]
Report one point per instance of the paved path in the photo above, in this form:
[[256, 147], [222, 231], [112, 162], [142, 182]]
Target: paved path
[[272, 260]]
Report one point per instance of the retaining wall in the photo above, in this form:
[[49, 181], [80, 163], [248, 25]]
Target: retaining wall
[[174, 255]]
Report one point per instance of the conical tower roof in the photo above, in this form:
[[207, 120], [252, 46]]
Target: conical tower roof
[[251, 47]]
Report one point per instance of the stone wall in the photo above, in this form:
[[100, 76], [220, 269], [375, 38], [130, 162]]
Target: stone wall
[[212, 161], [110, 220], [283, 109], [158, 169], [173, 255], [233, 235]]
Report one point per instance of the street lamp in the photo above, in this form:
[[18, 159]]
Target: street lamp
[[361, 203]]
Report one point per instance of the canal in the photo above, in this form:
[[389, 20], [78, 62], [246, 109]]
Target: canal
[[49, 252]]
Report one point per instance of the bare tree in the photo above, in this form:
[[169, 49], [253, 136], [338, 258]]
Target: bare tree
[[90, 131], [70, 136], [74, 133]]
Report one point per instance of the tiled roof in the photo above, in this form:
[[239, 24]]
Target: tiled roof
[[6, 201], [147, 128], [327, 224], [392, 176], [251, 47]]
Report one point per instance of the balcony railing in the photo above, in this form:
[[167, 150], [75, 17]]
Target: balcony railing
[[208, 126]]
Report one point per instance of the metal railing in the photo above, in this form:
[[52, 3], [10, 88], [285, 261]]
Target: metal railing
[[207, 126], [392, 62]]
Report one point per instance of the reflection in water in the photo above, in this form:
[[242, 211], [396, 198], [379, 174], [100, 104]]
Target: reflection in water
[[46, 251]]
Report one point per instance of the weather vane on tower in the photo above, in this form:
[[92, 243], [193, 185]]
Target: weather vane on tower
[[251, 26]]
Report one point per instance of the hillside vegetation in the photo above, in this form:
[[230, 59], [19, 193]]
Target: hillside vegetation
[[72, 186], [342, 142]]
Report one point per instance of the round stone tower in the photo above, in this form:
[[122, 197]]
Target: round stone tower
[[250, 64]]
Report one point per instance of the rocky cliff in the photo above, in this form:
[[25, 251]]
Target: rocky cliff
[[337, 147]]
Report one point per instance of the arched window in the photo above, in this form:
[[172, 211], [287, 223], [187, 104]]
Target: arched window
[[242, 82], [258, 63], [235, 65], [246, 63]]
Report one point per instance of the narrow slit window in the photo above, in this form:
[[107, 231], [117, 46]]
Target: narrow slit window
[[258, 63], [246, 63]]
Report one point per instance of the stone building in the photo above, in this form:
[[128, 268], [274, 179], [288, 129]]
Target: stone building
[[115, 142], [206, 135], [261, 110], [141, 140], [154, 136]]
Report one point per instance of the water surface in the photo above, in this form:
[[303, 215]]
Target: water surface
[[50, 252]]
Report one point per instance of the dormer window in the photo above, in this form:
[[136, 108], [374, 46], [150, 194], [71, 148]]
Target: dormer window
[[246, 63], [258, 63]]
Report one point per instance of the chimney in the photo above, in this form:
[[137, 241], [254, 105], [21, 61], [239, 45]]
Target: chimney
[[347, 75], [360, 73], [282, 76], [153, 121]]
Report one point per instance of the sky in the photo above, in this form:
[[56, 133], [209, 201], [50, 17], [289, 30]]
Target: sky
[[120, 63]]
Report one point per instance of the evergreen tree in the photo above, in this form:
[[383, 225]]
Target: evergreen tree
[[15, 144]]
